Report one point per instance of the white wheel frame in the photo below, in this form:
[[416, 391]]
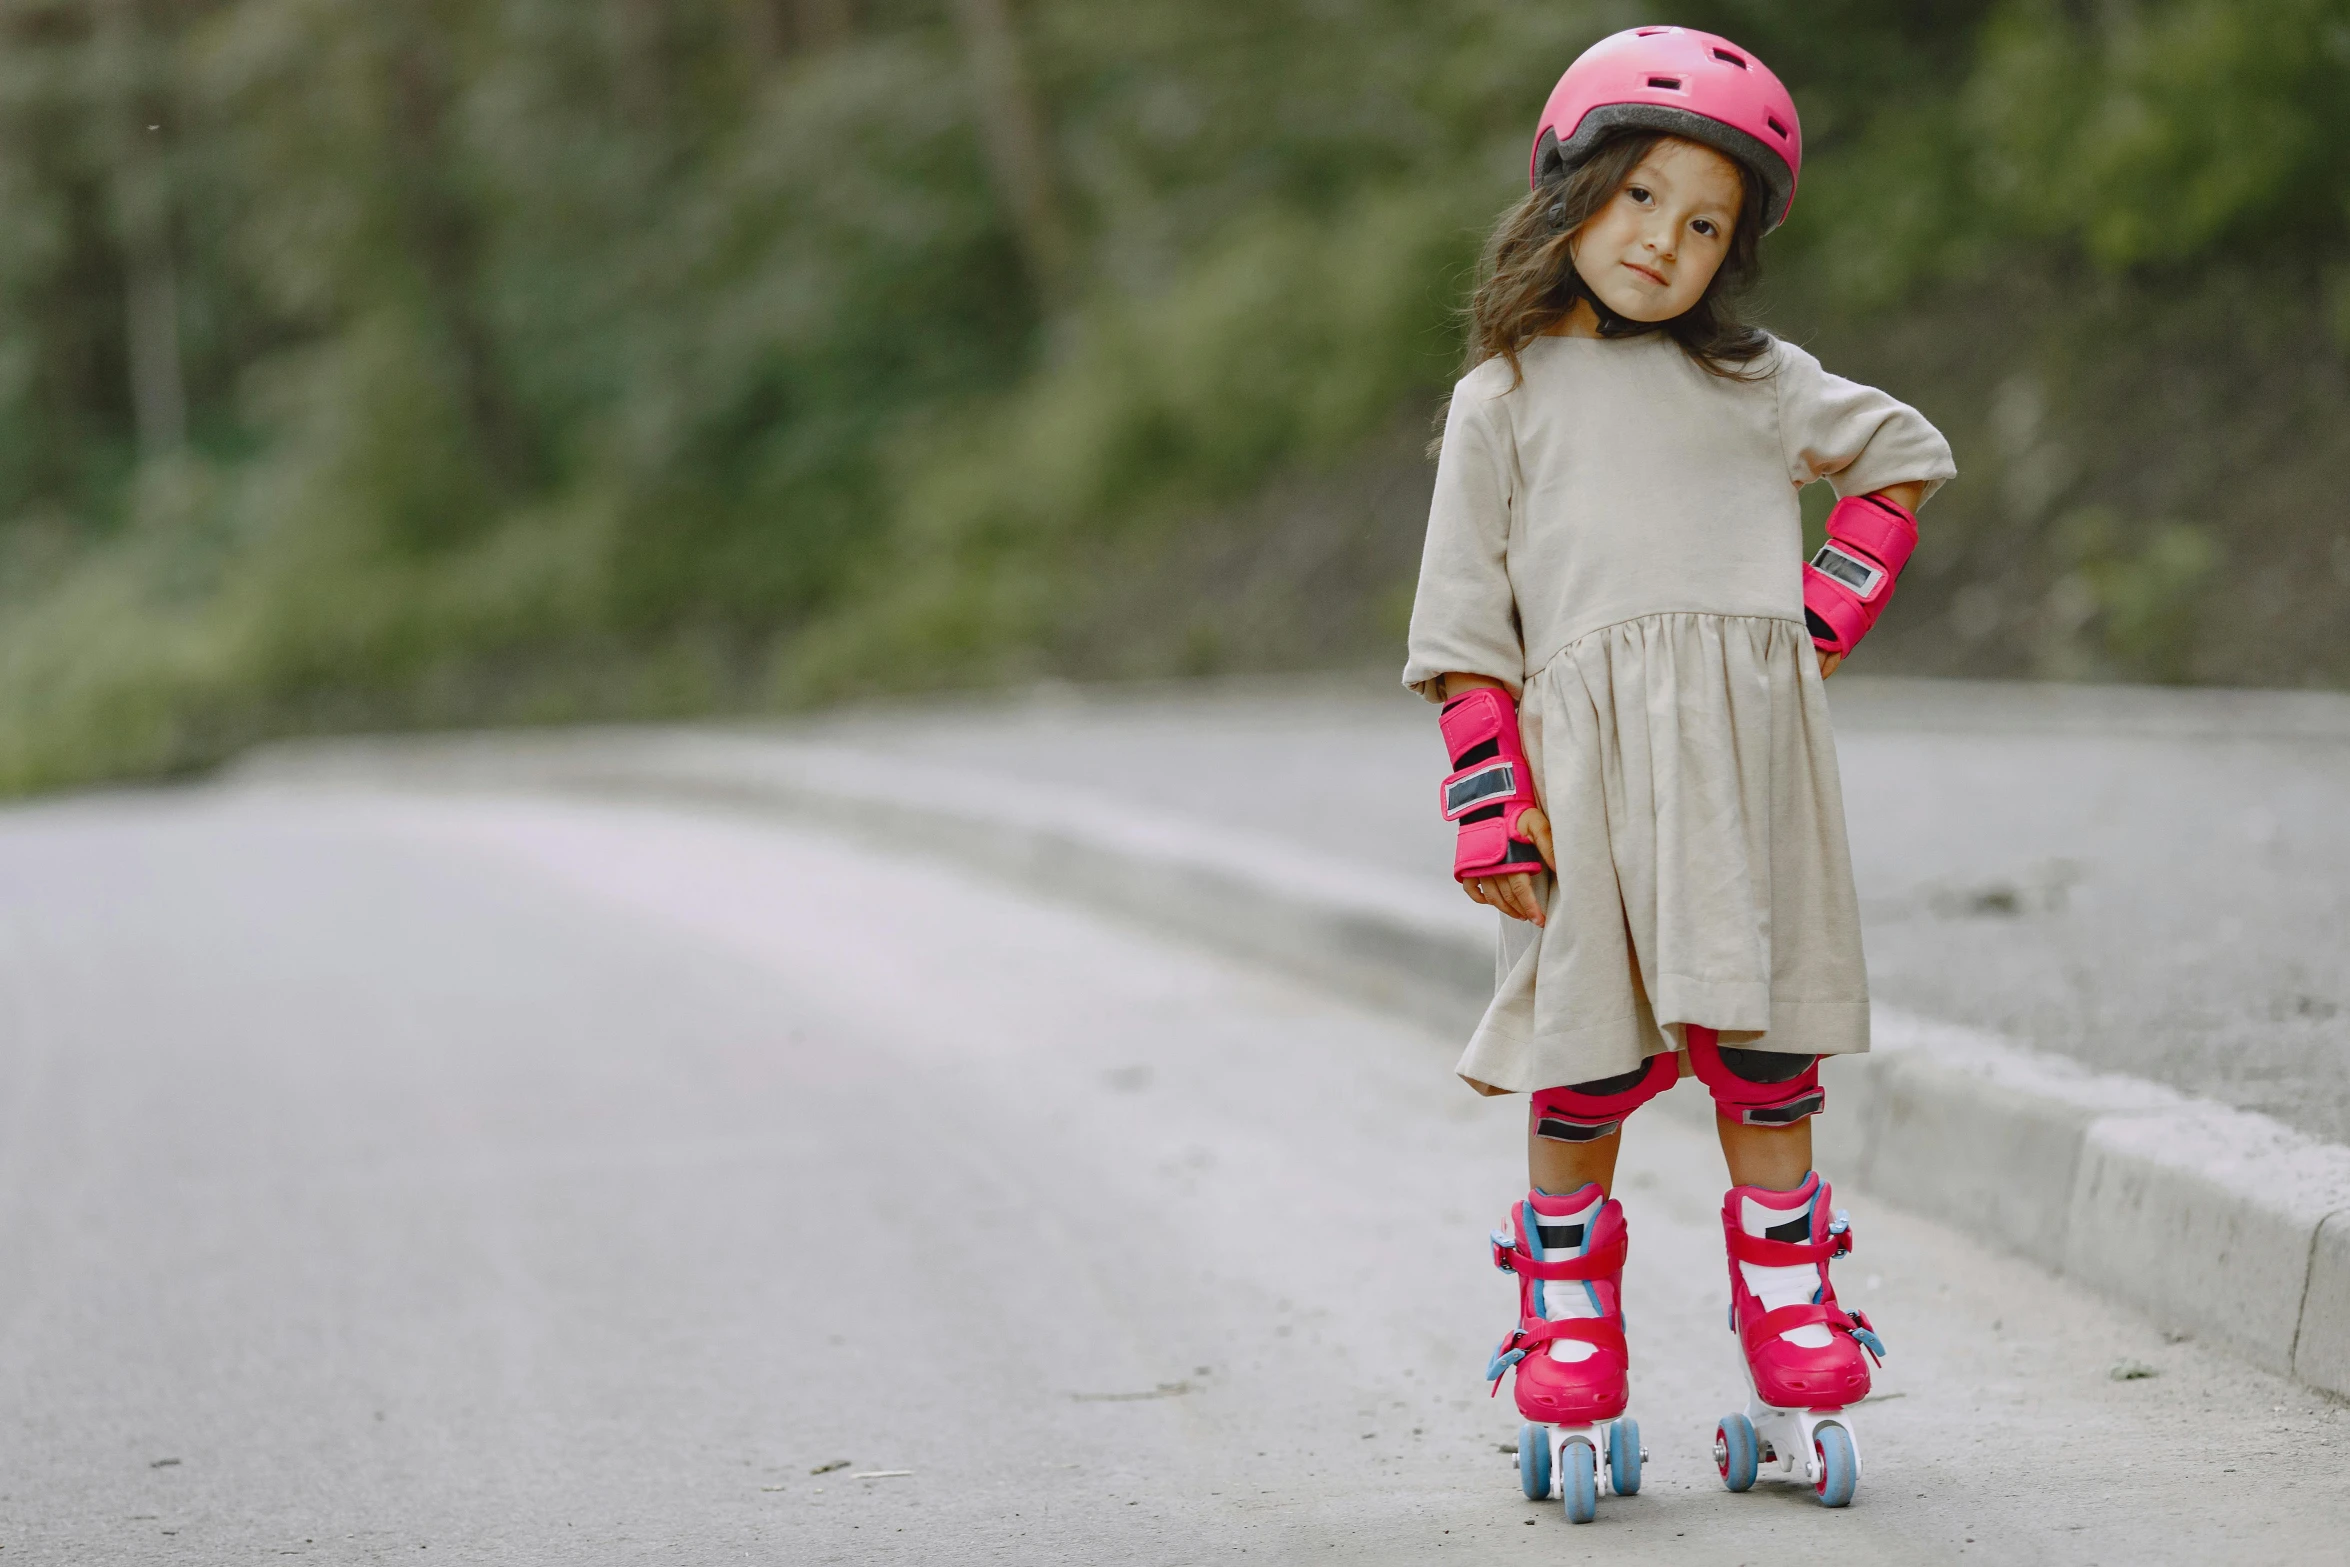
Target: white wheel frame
[[1602, 1439], [1784, 1438]]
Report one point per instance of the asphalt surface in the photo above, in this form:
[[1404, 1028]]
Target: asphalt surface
[[399, 1178], [2155, 882]]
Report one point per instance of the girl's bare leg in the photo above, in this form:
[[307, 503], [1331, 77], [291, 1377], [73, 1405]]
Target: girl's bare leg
[[1776, 1157], [1560, 1168]]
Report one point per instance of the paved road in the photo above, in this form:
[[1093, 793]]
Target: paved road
[[520, 1181], [2152, 881]]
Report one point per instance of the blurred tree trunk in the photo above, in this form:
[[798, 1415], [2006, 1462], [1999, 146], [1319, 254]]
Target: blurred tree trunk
[[1011, 128], [777, 29], [641, 28], [139, 194], [819, 24], [442, 235]]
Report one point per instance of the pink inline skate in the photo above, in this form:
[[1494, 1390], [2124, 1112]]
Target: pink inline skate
[[1568, 1348], [1803, 1351]]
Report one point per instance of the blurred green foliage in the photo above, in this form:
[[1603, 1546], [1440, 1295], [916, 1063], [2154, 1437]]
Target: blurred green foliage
[[419, 362]]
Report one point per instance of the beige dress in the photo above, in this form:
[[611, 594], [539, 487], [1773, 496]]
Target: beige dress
[[1619, 537]]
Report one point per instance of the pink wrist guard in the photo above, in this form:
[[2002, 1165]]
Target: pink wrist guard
[[1847, 584], [1490, 788]]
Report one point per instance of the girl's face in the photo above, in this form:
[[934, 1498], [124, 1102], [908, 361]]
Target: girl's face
[[1652, 250]]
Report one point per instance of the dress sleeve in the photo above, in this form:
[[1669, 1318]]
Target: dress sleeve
[[1854, 435], [1465, 615]]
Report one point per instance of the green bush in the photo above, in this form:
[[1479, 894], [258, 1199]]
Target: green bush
[[545, 362]]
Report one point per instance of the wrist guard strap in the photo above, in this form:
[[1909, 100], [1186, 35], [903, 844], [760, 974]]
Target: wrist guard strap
[[1847, 584], [1490, 788]]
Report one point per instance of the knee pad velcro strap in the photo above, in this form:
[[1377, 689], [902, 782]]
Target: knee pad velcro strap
[[1756, 1087], [1585, 1112]]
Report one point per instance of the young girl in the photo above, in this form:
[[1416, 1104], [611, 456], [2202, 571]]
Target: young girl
[[1615, 610]]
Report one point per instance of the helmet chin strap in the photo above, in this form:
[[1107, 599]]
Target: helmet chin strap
[[1610, 324]]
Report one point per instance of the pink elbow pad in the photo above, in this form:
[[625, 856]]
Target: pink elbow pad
[[1490, 787], [1847, 584]]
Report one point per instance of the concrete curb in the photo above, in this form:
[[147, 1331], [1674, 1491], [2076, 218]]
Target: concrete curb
[[1376, 933], [2215, 1222]]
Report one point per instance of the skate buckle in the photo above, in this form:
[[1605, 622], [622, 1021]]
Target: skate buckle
[[1505, 1355], [1866, 1336], [1503, 1250], [1840, 1231]]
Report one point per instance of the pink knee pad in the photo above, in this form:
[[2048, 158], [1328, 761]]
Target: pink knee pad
[[1744, 1092], [1584, 1112]]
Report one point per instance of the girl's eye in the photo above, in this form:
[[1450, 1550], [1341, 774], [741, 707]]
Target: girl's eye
[[1638, 193], [1705, 226]]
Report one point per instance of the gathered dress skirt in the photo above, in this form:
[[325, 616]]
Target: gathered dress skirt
[[1688, 768]]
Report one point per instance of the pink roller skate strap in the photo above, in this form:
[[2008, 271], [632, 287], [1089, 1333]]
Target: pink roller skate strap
[[1848, 583], [1598, 1332], [1490, 787], [1788, 1254], [1515, 1251], [1761, 1330], [1601, 1262], [1832, 1238]]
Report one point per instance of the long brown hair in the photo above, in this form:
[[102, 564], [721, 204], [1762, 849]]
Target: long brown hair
[[1527, 284]]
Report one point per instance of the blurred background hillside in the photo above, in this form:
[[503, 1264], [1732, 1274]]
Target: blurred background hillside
[[386, 363]]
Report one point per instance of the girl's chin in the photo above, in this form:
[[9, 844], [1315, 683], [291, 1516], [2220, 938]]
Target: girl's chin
[[1644, 311]]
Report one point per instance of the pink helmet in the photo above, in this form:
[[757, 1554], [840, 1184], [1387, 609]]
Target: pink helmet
[[1684, 83]]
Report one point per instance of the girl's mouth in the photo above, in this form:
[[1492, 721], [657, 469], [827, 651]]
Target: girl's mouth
[[1653, 277]]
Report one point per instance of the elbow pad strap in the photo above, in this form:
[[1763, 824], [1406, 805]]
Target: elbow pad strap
[[1489, 788], [1848, 583]]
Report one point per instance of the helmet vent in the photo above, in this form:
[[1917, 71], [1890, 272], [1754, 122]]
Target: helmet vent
[[1672, 84], [1772, 121], [1737, 60], [1649, 32]]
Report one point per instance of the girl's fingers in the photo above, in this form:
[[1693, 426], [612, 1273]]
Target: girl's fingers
[[1513, 895], [1537, 827]]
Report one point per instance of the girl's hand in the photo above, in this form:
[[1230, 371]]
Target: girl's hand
[[1830, 663], [1514, 895]]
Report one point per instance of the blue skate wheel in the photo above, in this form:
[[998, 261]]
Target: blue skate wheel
[[1623, 1457], [1534, 1462], [1839, 1465], [1735, 1452], [1579, 1486]]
